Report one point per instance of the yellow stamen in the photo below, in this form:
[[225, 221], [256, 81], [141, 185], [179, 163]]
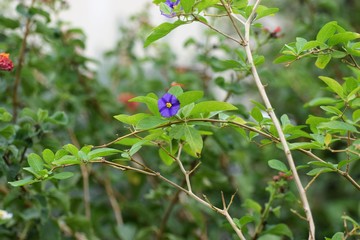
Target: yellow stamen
[[168, 105]]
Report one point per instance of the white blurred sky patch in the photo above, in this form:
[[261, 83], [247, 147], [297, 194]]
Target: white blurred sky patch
[[100, 21]]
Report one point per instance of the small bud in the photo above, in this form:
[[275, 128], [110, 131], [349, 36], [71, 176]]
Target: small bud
[[5, 62]]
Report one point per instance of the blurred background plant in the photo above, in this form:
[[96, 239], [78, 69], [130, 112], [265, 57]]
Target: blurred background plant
[[52, 97]]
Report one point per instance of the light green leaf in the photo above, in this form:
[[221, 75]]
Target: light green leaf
[[342, 38], [48, 155], [251, 204], [211, 106], [257, 114], [22, 182], [63, 175], [150, 102], [305, 145], [277, 165], [187, 5], [338, 126], [322, 60], [137, 146], [326, 31], [190, 97], [71, 149], [285, 59], [151, 122], [165, 157], [279, 230], [194, 139], [176, 91], [356, 116], [203, 4], [131, 119], [66, 160], [263, 11], [161, 31], [333, 85], [320, 170], [35, 162], [313, 44], [338, 236]]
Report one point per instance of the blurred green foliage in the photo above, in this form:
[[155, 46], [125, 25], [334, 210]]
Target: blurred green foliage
[[61, 100]]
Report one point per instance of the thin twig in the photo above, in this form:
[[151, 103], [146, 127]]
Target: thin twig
[[277, 125], [21, 58]]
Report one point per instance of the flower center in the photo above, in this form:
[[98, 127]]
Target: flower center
[[168, 105]]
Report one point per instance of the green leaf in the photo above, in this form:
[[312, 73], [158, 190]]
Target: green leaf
[[5, 116], [102, 152], [131, 119], [8, 131], [186, 111], [285, 59], [22, 182], [212, 106], [168, 160], [321, 101], [150, 102], [244, 220], [333, 85], [313, 44], [190, 97], [251, 204], [59, 118], [35, 162], [48, 155], [322, 60], [194, 139], [165, 9], [66, 160], [342, 38], [151, 122], [320, 170], [176, 91], [63, 175], [326, 31], [257, 114], [263, 11], [338, 236], [71, 149], [137, 146], [338, 126], [356, 116], [305, 145], [177, 131], [187, 5], [331, 109], [279, 230], [161, 31], [203, 4], [300, 43], [277, 165]]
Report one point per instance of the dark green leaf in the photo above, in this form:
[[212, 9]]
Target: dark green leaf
[[277, 165]]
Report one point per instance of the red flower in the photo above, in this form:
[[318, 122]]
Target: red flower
[[5, 62], [124, 98]]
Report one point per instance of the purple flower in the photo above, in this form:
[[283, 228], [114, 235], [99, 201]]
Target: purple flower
[[171, 4], [168, 105]]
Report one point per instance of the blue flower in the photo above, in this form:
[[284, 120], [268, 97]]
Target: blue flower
[[168, 105], [171, 4]]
